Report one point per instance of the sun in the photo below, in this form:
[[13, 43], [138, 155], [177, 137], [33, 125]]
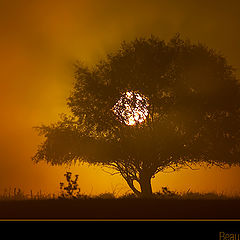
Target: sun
[[131, 108]]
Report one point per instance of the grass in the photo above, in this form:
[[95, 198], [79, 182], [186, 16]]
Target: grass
[[165, 204], [18, 194]]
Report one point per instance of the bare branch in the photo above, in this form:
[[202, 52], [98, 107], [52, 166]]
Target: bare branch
[[191, 167], [111, 173]]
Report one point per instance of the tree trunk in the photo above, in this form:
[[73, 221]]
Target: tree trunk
[[146, 187], [130, 184]]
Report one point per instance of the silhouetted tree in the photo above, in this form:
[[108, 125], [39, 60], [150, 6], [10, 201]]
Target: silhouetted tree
[[192, 99]]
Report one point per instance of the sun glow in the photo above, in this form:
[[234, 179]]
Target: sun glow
[[131, 108]]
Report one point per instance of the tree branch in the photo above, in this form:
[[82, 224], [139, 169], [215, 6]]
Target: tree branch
[[111, 173]]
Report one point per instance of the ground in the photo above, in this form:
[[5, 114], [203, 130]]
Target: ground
[[120, 209]]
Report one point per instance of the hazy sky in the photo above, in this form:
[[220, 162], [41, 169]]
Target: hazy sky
[[39, 42]]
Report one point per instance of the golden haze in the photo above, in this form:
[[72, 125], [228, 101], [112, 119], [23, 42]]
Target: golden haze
[[40, 40]]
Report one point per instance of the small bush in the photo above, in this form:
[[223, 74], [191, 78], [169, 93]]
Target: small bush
[[71, 189], [106, 195], [128, 196], [167, 194]]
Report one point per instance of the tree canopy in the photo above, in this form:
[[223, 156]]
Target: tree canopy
[[186, 94]]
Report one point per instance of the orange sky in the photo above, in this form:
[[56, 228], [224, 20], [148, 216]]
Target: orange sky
[[39, 41]]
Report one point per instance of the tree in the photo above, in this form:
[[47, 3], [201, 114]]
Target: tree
[[148, 107]]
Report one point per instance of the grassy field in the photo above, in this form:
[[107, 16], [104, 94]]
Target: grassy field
[[164, 205], [165, 193]]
